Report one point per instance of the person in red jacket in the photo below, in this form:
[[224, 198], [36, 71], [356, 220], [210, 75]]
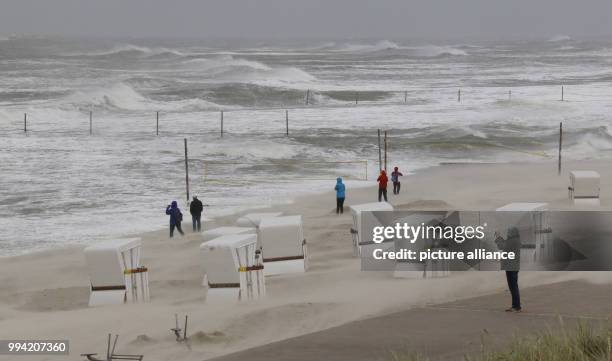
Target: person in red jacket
[[382, 185]]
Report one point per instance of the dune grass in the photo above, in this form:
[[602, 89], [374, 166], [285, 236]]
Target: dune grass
[[584, 343]]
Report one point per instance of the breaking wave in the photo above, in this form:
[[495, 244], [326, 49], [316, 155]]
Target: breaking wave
[[432, 51], [121, 96], [228, 68], [130, 50]]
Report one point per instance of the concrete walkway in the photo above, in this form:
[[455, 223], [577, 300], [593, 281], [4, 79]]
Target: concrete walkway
[[447, 331]]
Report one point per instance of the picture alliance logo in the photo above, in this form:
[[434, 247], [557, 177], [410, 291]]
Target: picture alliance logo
[[412, 233]]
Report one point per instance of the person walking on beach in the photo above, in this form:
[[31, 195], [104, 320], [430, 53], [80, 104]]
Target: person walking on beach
[[340, 195], [512, 243], [195, 208], [382, 185], [395, 179], [176, 217]]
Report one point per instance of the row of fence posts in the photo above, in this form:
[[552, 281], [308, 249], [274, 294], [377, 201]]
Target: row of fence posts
[[25, 116], [25, 123], [509, 95], [380, 147]]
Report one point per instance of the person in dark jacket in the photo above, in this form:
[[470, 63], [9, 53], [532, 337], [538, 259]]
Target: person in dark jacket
[[195, 208], [382, 185], [512, 243], [340, 189], [395, 179], [176, 217]]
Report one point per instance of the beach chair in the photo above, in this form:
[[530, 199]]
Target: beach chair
[[233, 268], [283, 245], [225, 231], [531, 219], [116, 273], [254, 219], [584, 188], [356, 210]]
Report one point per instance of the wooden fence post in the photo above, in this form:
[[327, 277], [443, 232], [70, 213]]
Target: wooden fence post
[[186, 171], [560, 145], [385, 150], [379, 153]]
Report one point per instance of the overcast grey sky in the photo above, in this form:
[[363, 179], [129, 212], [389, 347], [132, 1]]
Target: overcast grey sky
[[309, 18]]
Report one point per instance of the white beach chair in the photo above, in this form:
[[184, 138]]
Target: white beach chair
[[225, 231], [420, 270], [532, 222], [233, 269], [254, 219], [584, 188], [283, 245], [356, 210], [116, 273]]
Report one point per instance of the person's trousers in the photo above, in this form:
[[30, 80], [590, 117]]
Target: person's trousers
[[396, 187], [512, 278], [339, 205], [178, 228], [382, 192], [197, 224]]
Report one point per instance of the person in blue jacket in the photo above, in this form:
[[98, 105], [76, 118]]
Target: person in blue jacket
[[340, 195], [176, 217]]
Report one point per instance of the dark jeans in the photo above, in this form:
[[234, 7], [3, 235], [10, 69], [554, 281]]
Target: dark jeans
[[178, 227], [396, 187], [512, 278], [197, 224], [339, 205], [382, 192]]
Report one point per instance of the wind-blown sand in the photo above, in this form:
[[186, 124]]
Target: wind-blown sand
[[45, 295]]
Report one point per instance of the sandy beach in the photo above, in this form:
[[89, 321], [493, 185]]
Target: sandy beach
[[45, 295]]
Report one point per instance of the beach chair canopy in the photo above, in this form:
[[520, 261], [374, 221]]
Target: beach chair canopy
[[225, 231], [254, 219], [584, 184], [223, 256], [281, 237], [107, 261]]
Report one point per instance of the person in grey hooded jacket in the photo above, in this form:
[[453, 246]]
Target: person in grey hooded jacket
[[512, 243]]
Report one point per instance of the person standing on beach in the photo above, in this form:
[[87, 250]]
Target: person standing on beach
[[512, 243], [176, 217], [395, 179], [382, 185], [340, 195], [195, 208]]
